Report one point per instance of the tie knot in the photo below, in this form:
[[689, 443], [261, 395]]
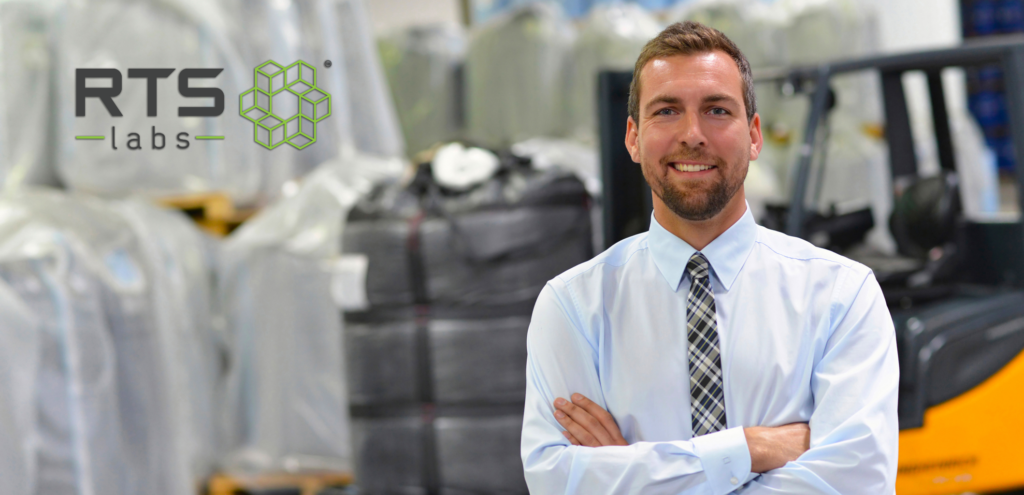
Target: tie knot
[[698, 266]]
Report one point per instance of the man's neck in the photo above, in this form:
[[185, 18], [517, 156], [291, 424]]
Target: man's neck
[[700, 233]]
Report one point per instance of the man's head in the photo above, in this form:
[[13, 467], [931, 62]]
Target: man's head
[[693, 125]]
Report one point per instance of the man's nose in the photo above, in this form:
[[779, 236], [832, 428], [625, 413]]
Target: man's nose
[[689, 132]]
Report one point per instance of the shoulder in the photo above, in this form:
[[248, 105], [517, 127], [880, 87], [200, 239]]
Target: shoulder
[[793, 249], [578, 295], [846, 279], [610, 260], [581, 288], [796, 259]]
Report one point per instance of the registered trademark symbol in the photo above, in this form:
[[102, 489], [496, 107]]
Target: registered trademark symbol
[[327, 63]]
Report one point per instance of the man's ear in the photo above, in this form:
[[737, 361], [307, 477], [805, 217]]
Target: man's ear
[[631, 140], [756, 138]]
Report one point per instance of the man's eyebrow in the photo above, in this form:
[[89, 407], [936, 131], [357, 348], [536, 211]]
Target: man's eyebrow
[[671, 100], [720, 97]]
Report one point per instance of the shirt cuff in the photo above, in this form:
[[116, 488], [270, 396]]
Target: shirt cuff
[[725, 458]]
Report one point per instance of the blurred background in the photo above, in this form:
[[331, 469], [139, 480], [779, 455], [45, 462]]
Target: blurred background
[[326, 287]]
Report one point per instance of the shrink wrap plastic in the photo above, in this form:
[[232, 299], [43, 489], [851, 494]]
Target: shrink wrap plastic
[[121, 397]]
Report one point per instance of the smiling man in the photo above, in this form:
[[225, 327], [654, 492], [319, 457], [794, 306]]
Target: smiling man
[[708, 355]]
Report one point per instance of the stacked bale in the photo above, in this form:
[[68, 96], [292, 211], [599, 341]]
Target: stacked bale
[[436, 362]]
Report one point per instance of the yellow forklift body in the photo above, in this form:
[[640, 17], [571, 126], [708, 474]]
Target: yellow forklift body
[[970, 443]]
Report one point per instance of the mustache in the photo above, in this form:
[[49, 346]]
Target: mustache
[[686, 153]]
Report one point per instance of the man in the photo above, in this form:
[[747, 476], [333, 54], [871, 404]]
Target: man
[[728, 357]]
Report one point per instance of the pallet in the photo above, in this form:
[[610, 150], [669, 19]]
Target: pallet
[[213, 212], [277, 484]]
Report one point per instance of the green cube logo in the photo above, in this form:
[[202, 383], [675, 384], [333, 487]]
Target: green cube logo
[[284, 104]]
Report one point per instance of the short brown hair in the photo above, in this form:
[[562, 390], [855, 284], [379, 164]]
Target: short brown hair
[[688, 38]]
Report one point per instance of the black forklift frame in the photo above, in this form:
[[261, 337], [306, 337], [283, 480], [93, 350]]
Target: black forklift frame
[[623, 185]]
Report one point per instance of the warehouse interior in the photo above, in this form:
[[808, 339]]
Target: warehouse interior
[[293, 246]]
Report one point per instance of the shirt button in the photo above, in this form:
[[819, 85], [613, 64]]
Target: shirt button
[[733, 480]]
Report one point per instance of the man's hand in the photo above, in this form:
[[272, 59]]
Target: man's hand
[[587, 423], [772, 448]]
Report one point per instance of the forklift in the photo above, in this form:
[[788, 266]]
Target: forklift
[[955, 290]]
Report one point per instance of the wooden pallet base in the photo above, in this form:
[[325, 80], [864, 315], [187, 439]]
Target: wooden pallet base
[[302, 484], [213, 212]]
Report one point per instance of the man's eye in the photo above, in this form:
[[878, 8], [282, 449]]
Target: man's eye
[[719, 111], [663, 111]]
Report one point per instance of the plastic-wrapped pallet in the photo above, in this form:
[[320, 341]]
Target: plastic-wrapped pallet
[[26, 104], [286, 389], [321, 31], [436, 357], [516, 76], [184, 261], [105, 397], [824, 30], [827, 30], [756, 28], [611, 39], [424, 68], [19, 361]]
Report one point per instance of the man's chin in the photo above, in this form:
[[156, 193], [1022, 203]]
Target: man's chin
[[696, 214], [694, 206]]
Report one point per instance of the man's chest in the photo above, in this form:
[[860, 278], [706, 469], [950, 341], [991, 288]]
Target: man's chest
[[768, 345]]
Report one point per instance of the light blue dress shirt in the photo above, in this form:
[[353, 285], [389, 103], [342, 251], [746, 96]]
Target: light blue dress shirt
[[805, 336]]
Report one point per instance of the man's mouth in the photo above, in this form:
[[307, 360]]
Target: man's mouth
[[691, 167]]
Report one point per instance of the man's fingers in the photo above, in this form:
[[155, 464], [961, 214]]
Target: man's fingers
[[581, 417], [578, 432], [602, 416], [568, 436]]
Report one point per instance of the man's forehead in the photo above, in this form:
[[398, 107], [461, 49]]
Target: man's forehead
[[714, 67]]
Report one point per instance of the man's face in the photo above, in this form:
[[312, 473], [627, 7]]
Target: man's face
[[693, 141]]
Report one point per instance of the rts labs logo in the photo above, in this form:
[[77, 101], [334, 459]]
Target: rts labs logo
[[285, 104]]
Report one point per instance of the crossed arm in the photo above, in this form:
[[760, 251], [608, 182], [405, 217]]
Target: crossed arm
[[587, 424]]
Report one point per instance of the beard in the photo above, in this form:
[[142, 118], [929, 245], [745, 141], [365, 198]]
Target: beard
[[700, 201]]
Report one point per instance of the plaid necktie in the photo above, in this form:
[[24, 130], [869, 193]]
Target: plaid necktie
[[707, 404]]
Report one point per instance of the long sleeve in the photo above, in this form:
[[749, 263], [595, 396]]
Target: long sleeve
[[561, 361], [854, 427]]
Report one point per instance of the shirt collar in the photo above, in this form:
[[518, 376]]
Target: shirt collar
[[726, 253]]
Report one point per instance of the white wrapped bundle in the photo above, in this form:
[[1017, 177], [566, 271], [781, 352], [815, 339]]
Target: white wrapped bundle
[[109, 415], [826, 30], [829, 30], [423, 65], [26, 104], [757, 29], [516, 76], [610, 39], [286, 392], [317, 31], [183, 260], [19, 361], [976, 166], [372, 119]]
